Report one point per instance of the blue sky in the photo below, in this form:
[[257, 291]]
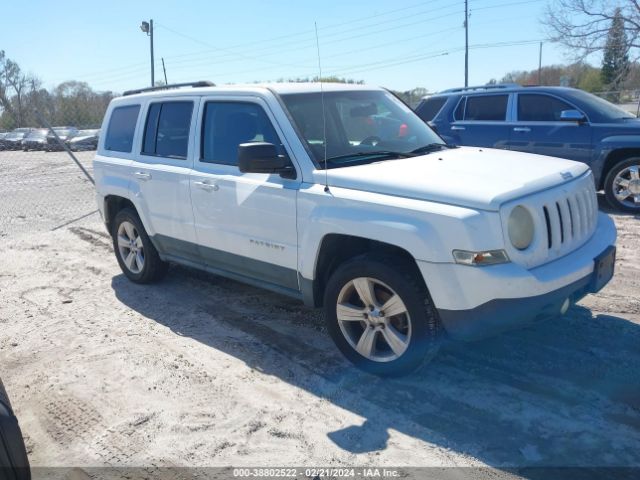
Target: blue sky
[[399, 44]]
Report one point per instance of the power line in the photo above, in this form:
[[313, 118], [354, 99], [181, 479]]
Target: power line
[[136, 67], [230, 56], [307, 44]]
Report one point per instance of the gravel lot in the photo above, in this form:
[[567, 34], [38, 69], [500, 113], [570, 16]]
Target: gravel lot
[[202, 371]]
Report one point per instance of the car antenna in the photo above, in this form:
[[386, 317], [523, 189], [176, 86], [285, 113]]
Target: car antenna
[[324, 117]]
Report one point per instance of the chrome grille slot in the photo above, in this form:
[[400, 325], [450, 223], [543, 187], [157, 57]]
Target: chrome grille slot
[[565, 220], [548, 223], [584, 220], [554, 225], [575, 219]]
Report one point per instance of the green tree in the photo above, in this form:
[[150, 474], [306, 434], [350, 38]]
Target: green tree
[[591, 81], [615, 63]]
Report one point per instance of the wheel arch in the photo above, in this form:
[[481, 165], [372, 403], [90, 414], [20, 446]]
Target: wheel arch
[[112, 205], [613, 158], [335, 249]]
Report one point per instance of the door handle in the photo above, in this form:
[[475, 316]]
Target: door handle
[[142, 175], [207, 186], [458, 127], [522, 129]]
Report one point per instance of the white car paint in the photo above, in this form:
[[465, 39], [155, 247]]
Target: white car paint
[[427, 205]]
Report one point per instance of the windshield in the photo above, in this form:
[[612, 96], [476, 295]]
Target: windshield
[[37, 134], [62, 132], [603, 107], [357, 123], [86, 133]]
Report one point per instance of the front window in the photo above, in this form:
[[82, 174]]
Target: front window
[[226, 125], [540, 108], [362, 124]]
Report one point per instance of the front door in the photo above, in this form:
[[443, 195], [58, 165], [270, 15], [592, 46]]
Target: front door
[[245, 223], [538, 129]]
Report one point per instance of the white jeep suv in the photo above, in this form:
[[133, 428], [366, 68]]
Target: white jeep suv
[[342, 197]]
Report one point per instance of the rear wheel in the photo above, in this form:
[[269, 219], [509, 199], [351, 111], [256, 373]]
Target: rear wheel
[[380, 316], [138, 258], [622, 185]]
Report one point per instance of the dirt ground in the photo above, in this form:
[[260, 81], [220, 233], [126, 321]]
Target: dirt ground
[[202, 371]]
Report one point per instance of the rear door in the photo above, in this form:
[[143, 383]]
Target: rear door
[[481, 120], [160, 174], [538, 128], [245, 222]]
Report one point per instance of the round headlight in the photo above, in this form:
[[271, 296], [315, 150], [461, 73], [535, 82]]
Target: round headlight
[[520, 227]]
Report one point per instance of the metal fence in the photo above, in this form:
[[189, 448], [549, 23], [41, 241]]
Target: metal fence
[[42, 188]]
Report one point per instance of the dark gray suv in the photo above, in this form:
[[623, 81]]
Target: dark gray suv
[[556, 121]]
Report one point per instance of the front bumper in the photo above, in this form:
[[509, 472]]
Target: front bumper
[[475, 302]]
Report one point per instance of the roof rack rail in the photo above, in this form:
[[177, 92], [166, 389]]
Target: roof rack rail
[[482, 87], [201, 83]]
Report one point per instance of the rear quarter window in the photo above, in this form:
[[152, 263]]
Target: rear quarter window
[[121, 128], [430, 107]]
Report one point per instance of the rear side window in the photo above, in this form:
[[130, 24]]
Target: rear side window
[[166, 132], [540, 108], [430, 107], [122, 127], [486, 107], [228, 124]]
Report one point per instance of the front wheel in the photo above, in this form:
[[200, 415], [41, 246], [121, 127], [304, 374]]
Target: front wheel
[[138, 258], [380, 316], [622, 185]]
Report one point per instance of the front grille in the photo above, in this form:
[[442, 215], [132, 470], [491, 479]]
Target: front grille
[[571, 218], [565, 218]]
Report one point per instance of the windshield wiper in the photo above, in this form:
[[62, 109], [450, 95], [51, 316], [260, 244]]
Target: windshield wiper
[[430, 147], [376, 153]]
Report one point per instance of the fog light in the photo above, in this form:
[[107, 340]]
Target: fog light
[[479, 259], [565, 306]]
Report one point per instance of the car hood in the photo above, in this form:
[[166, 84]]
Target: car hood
[[480, 178]]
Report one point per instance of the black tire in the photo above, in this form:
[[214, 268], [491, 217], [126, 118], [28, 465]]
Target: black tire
[[400, 278], [610, 188], [153, 268], [14, 463]]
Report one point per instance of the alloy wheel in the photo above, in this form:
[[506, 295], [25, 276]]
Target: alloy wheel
[[130, 247], [626, 186], [373, 319]]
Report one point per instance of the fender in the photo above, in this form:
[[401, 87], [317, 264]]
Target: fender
[[605, 147], [424, 229]]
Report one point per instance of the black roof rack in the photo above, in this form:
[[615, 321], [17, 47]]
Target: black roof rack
[[201, 83], [482, 87]]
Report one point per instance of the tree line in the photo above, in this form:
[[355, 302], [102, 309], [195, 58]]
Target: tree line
[[24, 101]]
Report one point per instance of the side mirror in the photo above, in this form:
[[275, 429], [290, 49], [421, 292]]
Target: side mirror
[[262, 157], [572, 116]]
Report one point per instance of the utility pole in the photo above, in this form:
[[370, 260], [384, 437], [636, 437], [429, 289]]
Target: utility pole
[[540, 65], [466, 43], [147, 27], [165, 72]]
